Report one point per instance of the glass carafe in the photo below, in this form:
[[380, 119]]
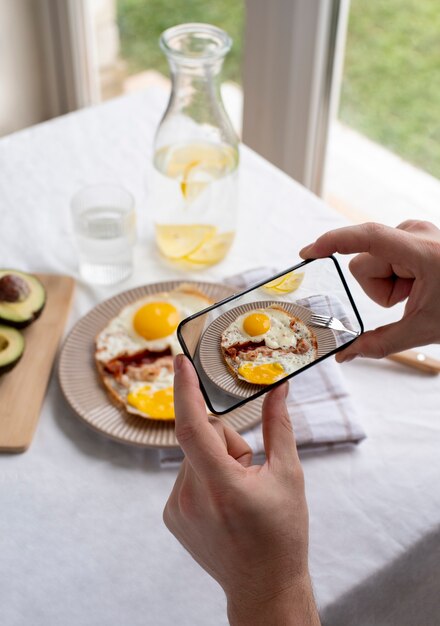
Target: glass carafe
[[195, 164]]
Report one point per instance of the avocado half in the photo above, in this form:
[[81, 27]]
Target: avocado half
[[22, 298], [11, 348]]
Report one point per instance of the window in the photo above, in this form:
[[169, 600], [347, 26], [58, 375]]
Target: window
[[127, 41], [384, 151]]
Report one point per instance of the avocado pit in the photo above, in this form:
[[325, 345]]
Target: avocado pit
[[22, 298], [13, 288]]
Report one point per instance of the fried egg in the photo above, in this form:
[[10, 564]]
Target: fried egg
[[155, 399], [271, 325], [264, 345], [150, 323], [134, 351]]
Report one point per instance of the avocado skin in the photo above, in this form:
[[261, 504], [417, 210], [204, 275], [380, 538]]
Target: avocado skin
[[23, 323], [37, 291], [7, 368], [13, 349]]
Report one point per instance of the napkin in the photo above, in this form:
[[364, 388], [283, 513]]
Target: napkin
[[319, 404]]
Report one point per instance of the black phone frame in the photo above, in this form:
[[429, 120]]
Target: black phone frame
[[242, 293]]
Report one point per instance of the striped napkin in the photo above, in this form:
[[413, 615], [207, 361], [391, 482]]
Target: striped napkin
[[319, 404]]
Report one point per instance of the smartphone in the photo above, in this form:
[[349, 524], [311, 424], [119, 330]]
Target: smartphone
[[247, 344]]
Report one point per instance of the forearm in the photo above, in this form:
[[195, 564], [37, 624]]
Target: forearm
[[293, 607]]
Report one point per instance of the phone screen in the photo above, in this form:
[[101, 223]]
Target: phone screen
[[252, 341]]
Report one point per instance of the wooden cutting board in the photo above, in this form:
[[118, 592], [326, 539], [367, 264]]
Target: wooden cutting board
[[22, 389]]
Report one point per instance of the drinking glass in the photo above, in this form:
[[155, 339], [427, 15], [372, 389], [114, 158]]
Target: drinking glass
[[104, 223]]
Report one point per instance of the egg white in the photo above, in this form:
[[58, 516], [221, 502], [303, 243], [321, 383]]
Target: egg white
[[279, 335], [164, 380], [120, 337]]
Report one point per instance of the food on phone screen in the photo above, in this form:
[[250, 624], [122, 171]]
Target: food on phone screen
[[283, 285], [264, 345]]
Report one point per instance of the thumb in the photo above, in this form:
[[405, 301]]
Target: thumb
[[381, 342], [202, 446], [279, 440]]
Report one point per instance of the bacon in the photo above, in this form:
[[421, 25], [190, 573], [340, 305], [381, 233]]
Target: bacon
[[115, 367], [232, 351], [249, 351], [150, 371], [251, 355], [302, 347], [119, 365]]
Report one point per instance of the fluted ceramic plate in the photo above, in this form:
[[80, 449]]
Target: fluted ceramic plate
[[211, 357], [85, 393]]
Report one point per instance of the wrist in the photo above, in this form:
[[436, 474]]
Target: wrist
[[293, 606]]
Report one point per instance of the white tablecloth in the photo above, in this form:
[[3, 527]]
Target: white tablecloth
[[81, 535]]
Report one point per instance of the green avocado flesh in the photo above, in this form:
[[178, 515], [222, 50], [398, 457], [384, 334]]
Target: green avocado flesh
[[22, 298], [11, 348]]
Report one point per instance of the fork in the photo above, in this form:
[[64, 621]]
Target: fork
[[330, 322], [412, 358]]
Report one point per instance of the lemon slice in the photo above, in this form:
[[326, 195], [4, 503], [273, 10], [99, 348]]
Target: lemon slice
[[284, 284], [177, 241], [211, 251], [190, 187], [186, 174]]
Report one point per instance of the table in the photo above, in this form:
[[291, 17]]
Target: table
[[81, 535]]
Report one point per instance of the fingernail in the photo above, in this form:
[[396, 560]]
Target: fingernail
[[178, 362], [286, 388]]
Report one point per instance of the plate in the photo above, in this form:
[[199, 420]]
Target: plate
[[85, 393], [211, 357]]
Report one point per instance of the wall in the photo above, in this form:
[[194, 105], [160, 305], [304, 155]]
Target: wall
[[22, 84]]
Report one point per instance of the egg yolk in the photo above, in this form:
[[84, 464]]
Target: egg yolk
[[256, 324], [158, 405], [155, 320], [264, 374]]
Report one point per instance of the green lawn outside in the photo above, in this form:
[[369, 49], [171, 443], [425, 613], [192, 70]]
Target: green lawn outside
[[142, 21], [391, 85]]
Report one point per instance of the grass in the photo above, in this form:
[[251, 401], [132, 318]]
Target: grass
[[391, 85], [142, 21]]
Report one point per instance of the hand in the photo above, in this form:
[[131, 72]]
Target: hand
[[395, 264], [246, 525]]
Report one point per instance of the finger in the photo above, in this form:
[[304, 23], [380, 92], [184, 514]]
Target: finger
[[237, 447], [421, 228], [382, 342], [378, 279], [203, 448], [279, 439], [392, 244], [373, 274]]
